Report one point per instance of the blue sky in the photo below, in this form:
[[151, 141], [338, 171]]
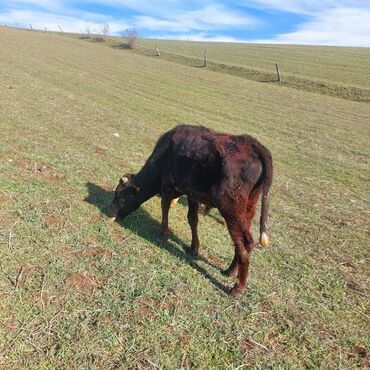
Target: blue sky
[[317, 22]]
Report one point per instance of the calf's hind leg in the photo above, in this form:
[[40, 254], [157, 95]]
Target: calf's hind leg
[[251, 209], [233, 268], [243, 242]]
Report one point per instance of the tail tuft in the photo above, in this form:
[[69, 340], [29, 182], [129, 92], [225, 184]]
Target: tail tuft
[[264, 240]]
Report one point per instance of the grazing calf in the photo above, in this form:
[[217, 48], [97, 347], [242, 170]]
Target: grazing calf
[[219, 170]]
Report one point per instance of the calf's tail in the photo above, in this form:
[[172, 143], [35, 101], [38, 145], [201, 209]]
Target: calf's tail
[[267, 172]]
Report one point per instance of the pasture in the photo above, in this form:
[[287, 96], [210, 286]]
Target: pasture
[[340, 65], [335, 71], [78, 291]]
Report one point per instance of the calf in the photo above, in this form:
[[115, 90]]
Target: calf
[[219, 170]]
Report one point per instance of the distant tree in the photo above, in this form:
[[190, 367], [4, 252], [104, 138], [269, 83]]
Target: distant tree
[[131, 35], [97, 34], [87, 32], [102, 34], [105, 31]]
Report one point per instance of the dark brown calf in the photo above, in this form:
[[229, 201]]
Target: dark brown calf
[[219, 170]]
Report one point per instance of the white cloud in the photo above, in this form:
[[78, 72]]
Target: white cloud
[[329, 22], [49, 4], [200, 36], [68, 23], [152, 23], [169, 16], [307, 7], [207, 18], [340, 26], [219, 16]]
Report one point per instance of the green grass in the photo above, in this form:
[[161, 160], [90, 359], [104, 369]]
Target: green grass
[[333, 71], [340, 65], [80, 292], [288, 80]]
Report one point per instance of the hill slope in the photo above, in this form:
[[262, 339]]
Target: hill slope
[[334, 71], [341, 65], [79, 291]]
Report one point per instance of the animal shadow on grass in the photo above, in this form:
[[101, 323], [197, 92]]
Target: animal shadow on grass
[[144, 225]]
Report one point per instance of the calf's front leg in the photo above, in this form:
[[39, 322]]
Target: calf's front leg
[[166, 204]]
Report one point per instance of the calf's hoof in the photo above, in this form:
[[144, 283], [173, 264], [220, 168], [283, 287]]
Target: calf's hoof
[[163, 237], [236, 291], [229, 272], [193, 252]]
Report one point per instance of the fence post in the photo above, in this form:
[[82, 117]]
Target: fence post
[[205, 58], [157, 50], [278, 72]]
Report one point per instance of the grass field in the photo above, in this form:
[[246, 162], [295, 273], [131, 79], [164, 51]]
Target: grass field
[[80, 292], [339, 65], [334, 71]]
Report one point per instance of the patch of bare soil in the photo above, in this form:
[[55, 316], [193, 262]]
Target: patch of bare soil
[[7, 222], [95, 217], [105, 320], [21, 163], [348, 264], [118, 234], [53, 221], [47, 299], [85, 173], [3, 295], [273, 341], [184, 339], [299, 228], [214, 260], [45, 171], [100, 152], [13, 149], [265, 307], [67, 251], [40, 170], [247, 344], [85, 282], [355, 286], [95, 252], [323, 331], [361, 353], [147, 307], [4, 199], [11, 325], [149, 301]]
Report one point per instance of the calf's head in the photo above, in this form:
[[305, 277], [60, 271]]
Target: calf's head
[[126, 198]]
